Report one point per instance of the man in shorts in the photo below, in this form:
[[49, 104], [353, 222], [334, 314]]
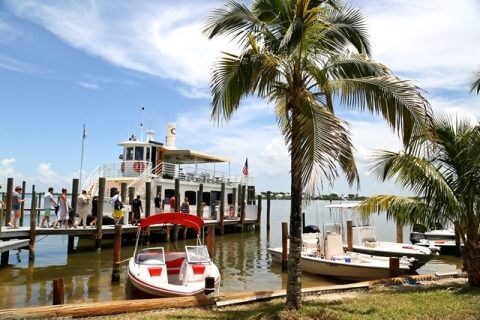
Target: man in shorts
[[16, 202], [48, 202]]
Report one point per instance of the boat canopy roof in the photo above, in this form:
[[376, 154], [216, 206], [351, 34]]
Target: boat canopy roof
[[184, 219], [186, 156], [343, 205]]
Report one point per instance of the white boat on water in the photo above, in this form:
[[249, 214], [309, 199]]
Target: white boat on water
[[443, 239], [365, 239], [162, 163], [159, 273], [328, 258]]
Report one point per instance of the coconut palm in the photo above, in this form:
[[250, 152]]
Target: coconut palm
[[476, 84], [305, 57], [444, 172]]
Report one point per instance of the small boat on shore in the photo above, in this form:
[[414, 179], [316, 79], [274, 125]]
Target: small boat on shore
[[159, 273], [442, 239], [328, 258]]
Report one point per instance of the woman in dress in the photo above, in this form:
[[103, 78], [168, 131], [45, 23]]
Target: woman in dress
[[62, 215]]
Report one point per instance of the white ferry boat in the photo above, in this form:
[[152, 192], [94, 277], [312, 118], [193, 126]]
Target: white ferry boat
[[162, 164]]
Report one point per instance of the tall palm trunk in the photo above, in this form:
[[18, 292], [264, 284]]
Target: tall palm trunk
[[471, 261], [294, 283]]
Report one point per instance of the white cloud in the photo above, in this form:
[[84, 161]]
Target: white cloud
[[88, 85], [156, 38], [6, 168], [8, 32], [16, 65], [46, 174]]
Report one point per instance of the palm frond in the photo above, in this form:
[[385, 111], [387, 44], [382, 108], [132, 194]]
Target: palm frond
[[475, 87], [399, 102]]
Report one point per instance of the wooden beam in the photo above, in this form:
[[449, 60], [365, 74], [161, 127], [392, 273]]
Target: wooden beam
[[259, 210], [58, 292], [268, 209], [211, 240], [199, 201], [8, 203], [22, 205], [148, 198], [101, 199], [222, 208], [349, 235], [33, 225], [399, 232], [117, 254], [177, 195], [74, 200]]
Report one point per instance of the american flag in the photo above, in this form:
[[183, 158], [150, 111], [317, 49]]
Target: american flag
[[245, 168]]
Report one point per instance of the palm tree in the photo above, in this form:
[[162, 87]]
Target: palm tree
[[444, 172], [476, 84], [304, 57]]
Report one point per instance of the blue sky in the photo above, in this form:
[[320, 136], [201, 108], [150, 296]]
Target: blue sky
[[65, 63]]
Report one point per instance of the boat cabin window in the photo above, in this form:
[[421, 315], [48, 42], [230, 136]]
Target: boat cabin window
[[206, 198], [230, 198], [168, 194], [147, 157], [129, 153], [151, 256], [192, 197], [197, 254], [138, 153]]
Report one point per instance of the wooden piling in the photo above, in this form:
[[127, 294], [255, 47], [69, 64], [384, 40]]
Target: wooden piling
[[242, 206], [148, 198], [303, 220], [399, 232], [40, 195], [70, 244], [394, 267], [268, 210], [222, 208], [284, 246], [33, 225], [259, 210], [101, 199], [117, 254], [58, 291], [123, 191], [349, 235], [234, 200], [211, 240], [4, 258], [131, 195], [22, 205], [177, 195], [200, 201], [74, 201], [8, 203]]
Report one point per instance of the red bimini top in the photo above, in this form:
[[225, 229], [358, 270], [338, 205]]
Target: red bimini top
[[184, 219]]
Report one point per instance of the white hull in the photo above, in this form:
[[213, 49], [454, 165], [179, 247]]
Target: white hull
[[370, 269]]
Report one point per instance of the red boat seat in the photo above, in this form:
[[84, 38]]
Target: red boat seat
[[155, 271], [173, 266], [198, 268]]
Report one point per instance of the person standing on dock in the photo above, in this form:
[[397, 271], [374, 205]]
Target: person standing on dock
[[116, 200], [48, 202], [172, 204], [136, 209], [185, 206], [62, 215], [83, 202], [158, 203], [16, 201], [94, 210]]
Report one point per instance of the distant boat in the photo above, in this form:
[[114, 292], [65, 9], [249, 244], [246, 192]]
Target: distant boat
[[443, 239], [327, 258], [159, 273]]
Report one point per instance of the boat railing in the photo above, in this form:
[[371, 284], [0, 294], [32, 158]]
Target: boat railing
[[146, 176], [90, 184]]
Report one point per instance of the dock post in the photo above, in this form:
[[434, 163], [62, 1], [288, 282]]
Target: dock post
[[399, 232], [222, 208], [284, 246], [268, 210], [123, 195], [33, 225], [211, 240], [40, 195], [22, 205], [117, 253], [148, 198], [101, 199], [74, 201], [234, 200], [70, 244], [303, 221], [5, 257], [8, 203], [259, 210], [200, 201], [394, 267], [242, 207], [131, 195], [58, 291], [177, 195], [349, 235]]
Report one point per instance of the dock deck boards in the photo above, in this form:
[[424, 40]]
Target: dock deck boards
[[12, 245]]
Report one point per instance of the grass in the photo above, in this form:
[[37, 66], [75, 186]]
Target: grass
[[456, 302]]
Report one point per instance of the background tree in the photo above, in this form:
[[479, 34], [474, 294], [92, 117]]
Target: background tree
[[476, 84], [444, 172], [305, 57]]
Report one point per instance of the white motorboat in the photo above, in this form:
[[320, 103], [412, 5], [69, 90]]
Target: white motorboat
[[365, 240], [442, 239], [159, 273], [327, 258]]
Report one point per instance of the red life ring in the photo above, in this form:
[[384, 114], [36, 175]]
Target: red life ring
[[139, 166], [122, 167]]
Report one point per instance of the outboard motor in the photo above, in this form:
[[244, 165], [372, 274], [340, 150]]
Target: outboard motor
[[311, 229], [415, 237]]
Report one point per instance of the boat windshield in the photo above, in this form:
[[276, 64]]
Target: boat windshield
[[151, 256], [197, 254]]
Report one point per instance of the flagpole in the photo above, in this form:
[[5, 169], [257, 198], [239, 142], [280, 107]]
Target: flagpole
[[84, 136]]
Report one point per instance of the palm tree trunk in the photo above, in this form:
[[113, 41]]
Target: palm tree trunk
[[471, 262], [294, 275]]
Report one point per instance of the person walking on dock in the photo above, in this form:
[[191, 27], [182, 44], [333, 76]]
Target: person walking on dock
[[136, 209], [62, 215], [116, 200], [83, 202], [16, 202], [158, 203], [94, 210], [48, 202]]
